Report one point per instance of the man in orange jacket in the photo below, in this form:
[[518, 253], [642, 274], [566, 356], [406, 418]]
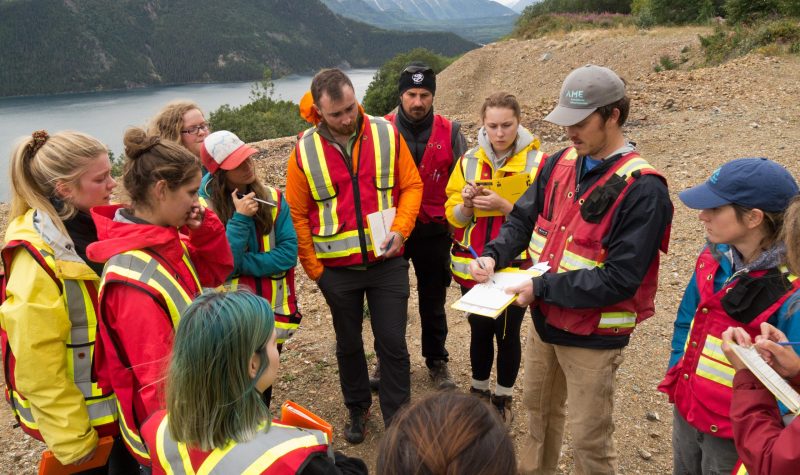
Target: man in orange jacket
[[346, 167]]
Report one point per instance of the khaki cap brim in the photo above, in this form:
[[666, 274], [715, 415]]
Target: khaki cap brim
[[567, 116]]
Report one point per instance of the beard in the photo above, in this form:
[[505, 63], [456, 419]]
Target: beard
[[343, 130]]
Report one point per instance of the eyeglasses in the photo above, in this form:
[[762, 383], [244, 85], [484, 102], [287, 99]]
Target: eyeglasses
[[412, 69], [195, 129]]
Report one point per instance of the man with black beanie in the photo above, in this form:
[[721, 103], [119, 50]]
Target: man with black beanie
[[436, 144]]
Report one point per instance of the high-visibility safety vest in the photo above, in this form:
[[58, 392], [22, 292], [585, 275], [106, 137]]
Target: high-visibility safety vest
[[140, 269], [342, 199], [701, 382], [80, 300], [567, 242], [277, 289], [475, 165], [434, 169], [280, 450]]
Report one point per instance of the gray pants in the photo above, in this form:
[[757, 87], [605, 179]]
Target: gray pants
[[698, 453]]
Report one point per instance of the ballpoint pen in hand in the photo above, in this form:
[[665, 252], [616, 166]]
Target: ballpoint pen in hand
[[240, 195], [477, 259], [789, 343]]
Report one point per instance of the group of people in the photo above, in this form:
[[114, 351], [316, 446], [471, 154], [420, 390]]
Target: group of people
[[107, 329]]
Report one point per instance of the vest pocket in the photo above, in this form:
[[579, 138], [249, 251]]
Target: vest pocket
[[324, 193], [539, 238], [326, 230], [581, 254]]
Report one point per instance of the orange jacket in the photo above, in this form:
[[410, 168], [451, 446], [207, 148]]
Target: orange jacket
[[300, 201]]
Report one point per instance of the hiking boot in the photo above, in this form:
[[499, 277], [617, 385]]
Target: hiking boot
[[440, 375], [482, 394], [503, 406], [375, 377], [356, 428]]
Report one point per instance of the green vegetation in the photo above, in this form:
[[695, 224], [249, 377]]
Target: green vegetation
[[382, 95], [54, 46], [263, 118], [541, 25], [770, 37]]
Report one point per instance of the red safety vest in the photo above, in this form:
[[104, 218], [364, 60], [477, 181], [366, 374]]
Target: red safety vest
[[280, 450], [434, 169], [475, 165], [342, 200], [79, 349], [564, 239], [701, 383], [739, 469], [140, 269]]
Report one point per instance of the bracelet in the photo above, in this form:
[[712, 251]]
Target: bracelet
[[465, 205]]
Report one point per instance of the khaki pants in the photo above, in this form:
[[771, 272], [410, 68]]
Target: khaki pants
[[584, 379]]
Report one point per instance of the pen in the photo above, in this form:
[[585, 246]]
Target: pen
[[389, 245], [789, 343], [474, 255], [257, 199]]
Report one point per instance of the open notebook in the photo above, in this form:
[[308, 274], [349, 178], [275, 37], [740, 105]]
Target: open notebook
[[772, 380], [490, 299]]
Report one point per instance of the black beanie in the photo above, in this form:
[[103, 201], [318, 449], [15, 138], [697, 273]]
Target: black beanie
[[417, 74]]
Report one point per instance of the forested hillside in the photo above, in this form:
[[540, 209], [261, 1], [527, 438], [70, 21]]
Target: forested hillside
[[84, 45]]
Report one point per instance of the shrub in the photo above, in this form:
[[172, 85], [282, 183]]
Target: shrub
[[565, 22], [750, 10], [382, 95], [683, 11], [773, 37]]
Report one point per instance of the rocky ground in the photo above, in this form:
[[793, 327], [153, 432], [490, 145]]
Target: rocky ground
[[686, 122]]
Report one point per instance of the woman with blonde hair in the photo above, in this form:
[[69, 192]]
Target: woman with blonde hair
[[181, 122], [505, 148], [159, 252], [49, 314], [225, 357]]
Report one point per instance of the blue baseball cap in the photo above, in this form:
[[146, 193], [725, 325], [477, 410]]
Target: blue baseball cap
[[749, 182]]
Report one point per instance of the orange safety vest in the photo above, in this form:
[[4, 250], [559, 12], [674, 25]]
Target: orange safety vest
[[342, 200], [80, 299], [475, 165], [140, 269], [567, 242], [701, 383], [434, 169], [280, 450]]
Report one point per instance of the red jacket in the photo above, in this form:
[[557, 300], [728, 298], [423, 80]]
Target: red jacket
[[763, 444], [134, 338]]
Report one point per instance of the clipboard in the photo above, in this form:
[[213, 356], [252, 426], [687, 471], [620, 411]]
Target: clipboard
[[50, 465], [294, 414], [490, 299], [508, 187], [379, 224], [769, 377]]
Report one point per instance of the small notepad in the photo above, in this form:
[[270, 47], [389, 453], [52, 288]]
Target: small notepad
[[771, 380], [490, 299], [379, 224]]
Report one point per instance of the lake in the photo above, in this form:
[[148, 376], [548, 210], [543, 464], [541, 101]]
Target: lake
[[106, 115]]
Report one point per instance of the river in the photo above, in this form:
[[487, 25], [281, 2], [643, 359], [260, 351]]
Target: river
[[106, 115]]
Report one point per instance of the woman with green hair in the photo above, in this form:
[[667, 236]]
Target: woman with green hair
[[225, 356]]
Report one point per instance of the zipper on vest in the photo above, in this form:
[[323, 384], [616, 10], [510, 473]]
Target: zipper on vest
[[362, 239], [552, 201]]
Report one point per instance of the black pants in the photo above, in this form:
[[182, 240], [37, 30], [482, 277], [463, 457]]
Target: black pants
[[386, 287], [431, 256], [483, 332]]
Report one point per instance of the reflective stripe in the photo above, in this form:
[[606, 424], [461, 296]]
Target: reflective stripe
[[460, 267], [635, 164], [140, 266], [533, 160], [340, 245], [284, 330], [384, 162], [131, 437], [617, 320], [247, 457], [471, 163], [322, 189], [740, 469], [715, 371], [571, 261], [536, 246], [713, 349]]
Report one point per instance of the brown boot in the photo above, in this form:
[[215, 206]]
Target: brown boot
[[503, 406], [482, 394]]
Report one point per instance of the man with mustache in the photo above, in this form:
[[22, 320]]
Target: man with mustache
[[436, 145], [347, 166], [598, 213]]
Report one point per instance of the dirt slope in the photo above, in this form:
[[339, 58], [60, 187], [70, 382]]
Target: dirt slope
[[685, 122]]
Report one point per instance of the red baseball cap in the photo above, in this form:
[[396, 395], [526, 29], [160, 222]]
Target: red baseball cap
[[223, 149]]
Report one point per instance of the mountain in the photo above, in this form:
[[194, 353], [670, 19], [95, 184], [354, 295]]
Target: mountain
[[482, 21], [519, 5], [54, 46]]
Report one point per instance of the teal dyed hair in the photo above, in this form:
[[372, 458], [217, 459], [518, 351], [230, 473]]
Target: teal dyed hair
[[211, 398]]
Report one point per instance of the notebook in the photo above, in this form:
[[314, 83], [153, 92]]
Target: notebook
[[50, 465], [772, 380], [490, 298], [294, 414], [379, 224], [509, 187]]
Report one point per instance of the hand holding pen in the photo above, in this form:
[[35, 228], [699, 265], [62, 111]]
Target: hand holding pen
[[480, 268]]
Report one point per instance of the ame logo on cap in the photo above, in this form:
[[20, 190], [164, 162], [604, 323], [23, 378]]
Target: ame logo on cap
[[715, 176], [418, 78], [575, 97]]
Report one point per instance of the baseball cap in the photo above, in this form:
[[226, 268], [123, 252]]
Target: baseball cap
[[417, 74], [584, 90], [749, 182], [223, 149]]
